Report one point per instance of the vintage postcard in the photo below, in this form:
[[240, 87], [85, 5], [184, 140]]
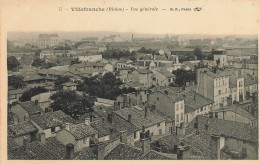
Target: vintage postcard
[[129, 80]]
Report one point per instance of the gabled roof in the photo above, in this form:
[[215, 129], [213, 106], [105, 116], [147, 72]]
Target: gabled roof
[[194, 100], [30, 107], [220, 127], [138, 116], [52, 119], [166, 74], [52, 149], [80, 131], [51, 71], [144, 71], [124, 152], [238, 110], [20, 129], [103, 128]]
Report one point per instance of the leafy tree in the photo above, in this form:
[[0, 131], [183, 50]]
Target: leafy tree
[[16, 81], [27, 95], [12, 63], [105, 87], [60, 80], [75, 61], [198, 53], [183, 76], [38, 62], [110, 79], [71, 103]]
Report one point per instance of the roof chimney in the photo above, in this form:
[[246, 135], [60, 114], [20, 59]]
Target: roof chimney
[[123, 136], [87, 121], [42, 137], [36, 102], [146, 112], [100, 151], [145, 139], [215, 147], [26, 117], [26, 143], [129, 117], [110, 117], [69, 151]]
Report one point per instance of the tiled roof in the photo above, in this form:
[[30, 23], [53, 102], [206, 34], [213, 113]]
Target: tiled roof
[[194, 100], [30, 107], [211, 74], [103, 128], [82, 130], [29, 76], [51, 72], [167, 74], [69, 84], [124, 152], [144, 71], [134, 84], [20, 129], [171, 92], [51, 119], [238, 110], [121, 124], [226, 128], [89, 64], [16, 91], [52, 149], [138, 117], [18, 153], [153, 155], [11, 143]]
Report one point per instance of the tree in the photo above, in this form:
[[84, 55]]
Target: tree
[[27, 95], [12, 63], [75, 61], [110, 78], [60, 80], [183, 76], [16, 81], [198, 53], [71, 103], [38, 62], [104, 87]]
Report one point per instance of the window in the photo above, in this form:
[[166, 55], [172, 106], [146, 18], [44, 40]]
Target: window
[[177, 106], [53, 129], [226, 90], [177, 117], [135, 135], [219, 92], [181, 116], [201, 109], [181, 105], [158, 124]]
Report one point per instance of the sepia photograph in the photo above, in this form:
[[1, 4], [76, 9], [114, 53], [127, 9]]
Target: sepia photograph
[[123, 96], [129, 81]]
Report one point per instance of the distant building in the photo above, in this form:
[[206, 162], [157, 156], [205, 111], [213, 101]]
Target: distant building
[[220, 57], [213, 86], [48, 40], [169, 103], [143, 76]]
